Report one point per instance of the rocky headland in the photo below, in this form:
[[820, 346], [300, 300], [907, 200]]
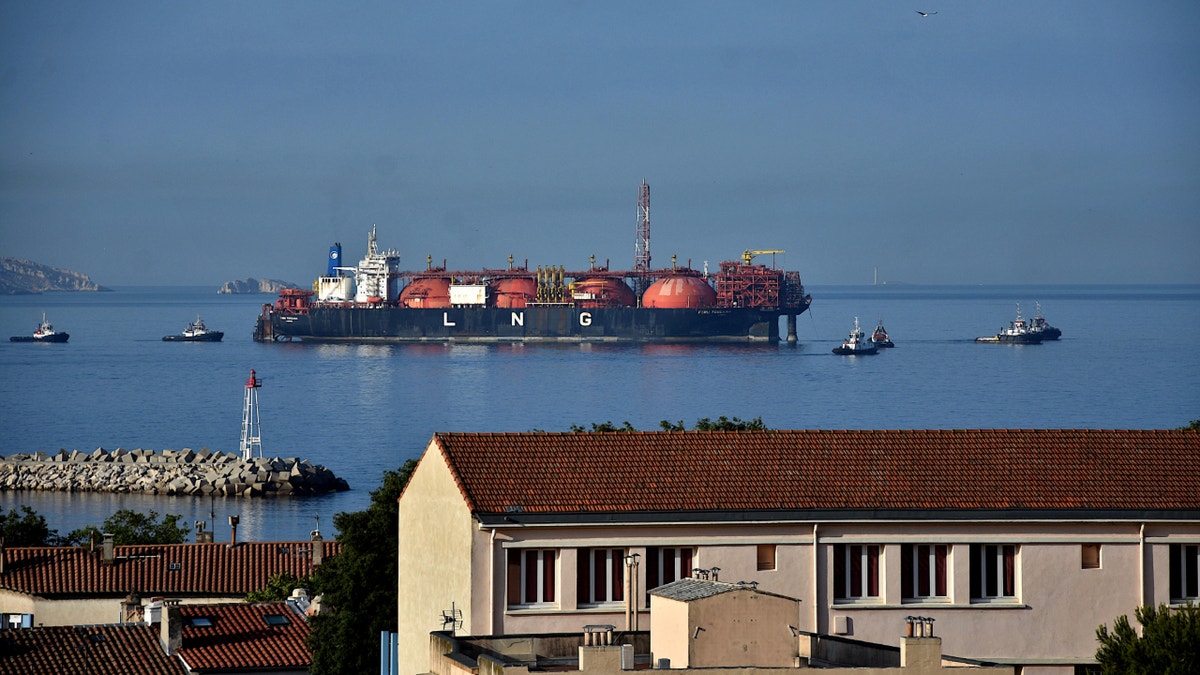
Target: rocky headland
[[169, 472], [19, 276], [252, 285]]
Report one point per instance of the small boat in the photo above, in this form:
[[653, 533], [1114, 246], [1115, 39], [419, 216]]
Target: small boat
[[1044, 329], [880, 337], [856, 343], [1018, 332], [44, 333], [196, 332]]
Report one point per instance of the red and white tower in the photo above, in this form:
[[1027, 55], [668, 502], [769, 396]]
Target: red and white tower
[[251, 422]]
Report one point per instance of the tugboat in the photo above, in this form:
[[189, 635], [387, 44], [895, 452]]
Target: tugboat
[[196, 332], [1017, 333], [1044, 329], [855, 343], [880, 337], [44, 333]]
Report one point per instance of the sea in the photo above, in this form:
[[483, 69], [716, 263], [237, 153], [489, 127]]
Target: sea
[[1128, 358]]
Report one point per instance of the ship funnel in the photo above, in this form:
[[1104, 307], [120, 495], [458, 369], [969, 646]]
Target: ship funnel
[[335, 260]]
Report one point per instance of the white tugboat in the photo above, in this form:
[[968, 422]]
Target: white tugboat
[[856, 343], [44, 333], [880, 337], [1017, 333], [196, 332]]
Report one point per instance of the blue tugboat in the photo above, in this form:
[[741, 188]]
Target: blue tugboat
[[1042, 328]]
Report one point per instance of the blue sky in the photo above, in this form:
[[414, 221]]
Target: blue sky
[[993, 142]]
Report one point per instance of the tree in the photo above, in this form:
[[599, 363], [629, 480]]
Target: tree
[[280, 587], [604, 426], [1195, 424], [1169, 643], [27, 528], [723, 423], [359, 584], [131, 527]]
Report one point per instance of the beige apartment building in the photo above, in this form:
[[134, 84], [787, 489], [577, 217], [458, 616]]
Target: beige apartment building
[[1016, 543]]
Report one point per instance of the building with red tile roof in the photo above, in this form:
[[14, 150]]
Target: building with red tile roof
[[1018, 542], [96, 650], [265, 637], [56, 586]]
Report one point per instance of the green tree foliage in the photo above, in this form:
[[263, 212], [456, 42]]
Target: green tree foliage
[[359, 598], [604, 426], [722, 423], [280, 587], [132, 527], [1195, 424], [1169, 643], [27, 528]]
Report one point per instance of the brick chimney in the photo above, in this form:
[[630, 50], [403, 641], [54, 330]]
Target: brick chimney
[[171, 631], [318, 548]]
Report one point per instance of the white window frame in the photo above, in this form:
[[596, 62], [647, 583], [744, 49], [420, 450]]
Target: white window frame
[[913, 564], [613, 575], [991, 563], [1182, 557], [846, 564]]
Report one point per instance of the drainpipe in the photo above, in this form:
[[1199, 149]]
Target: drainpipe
[[492, 585], [816, 627], [1141, 565]]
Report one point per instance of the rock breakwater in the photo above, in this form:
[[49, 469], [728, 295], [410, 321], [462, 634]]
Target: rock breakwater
[[169, 472]]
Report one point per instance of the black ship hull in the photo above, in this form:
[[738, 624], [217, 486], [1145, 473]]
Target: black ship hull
[[57, 337], [211, 336], [533, 323]]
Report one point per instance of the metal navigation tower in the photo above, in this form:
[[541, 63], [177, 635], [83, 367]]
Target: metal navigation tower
[[641, 249], [251, 422]]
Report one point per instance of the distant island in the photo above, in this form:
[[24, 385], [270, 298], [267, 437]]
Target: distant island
[[252, 285], [23, 277]]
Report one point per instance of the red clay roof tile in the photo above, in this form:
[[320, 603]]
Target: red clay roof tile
[[799, 470], [100, 650], [178, 570], [241, 638]]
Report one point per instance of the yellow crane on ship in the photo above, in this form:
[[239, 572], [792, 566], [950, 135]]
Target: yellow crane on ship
[[749, 254]]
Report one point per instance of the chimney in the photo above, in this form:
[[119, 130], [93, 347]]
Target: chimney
[[2, 555], [107, 555], [131, 608], [233, 523], [171, 631], [922, 650], [318, 548]]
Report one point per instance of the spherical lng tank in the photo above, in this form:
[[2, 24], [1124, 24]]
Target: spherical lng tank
[[679, 291], [515, 292], [426, 293], [602, 292]]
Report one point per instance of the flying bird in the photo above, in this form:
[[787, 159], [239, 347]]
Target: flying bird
[[923, 13]]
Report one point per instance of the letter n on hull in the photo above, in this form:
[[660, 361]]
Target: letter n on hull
[[518, 319]]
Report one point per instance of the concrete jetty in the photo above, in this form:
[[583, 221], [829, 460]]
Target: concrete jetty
[[167, 472]]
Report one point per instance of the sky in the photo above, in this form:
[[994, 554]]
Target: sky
[[994, 142]]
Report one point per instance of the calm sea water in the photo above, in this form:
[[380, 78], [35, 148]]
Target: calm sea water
[[1127, 359]]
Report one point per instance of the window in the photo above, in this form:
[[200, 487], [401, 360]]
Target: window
[[531, 579], [766, 557], [17, 621], [1185, 572], [993, 572], [275, 619], [855, 571], [601, 575], [664, 565], [923, 571], [1089, 557]]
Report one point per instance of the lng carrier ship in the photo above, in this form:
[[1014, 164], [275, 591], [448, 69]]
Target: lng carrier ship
[[375, 301]]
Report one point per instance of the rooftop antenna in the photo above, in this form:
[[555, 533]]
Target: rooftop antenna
[[251, 422]]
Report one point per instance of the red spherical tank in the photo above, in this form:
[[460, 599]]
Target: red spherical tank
[[515, 291], [602, 292], [679, 291], [426, 293]]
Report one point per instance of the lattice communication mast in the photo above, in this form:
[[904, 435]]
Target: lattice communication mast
[[641, 254], [251, 423]]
